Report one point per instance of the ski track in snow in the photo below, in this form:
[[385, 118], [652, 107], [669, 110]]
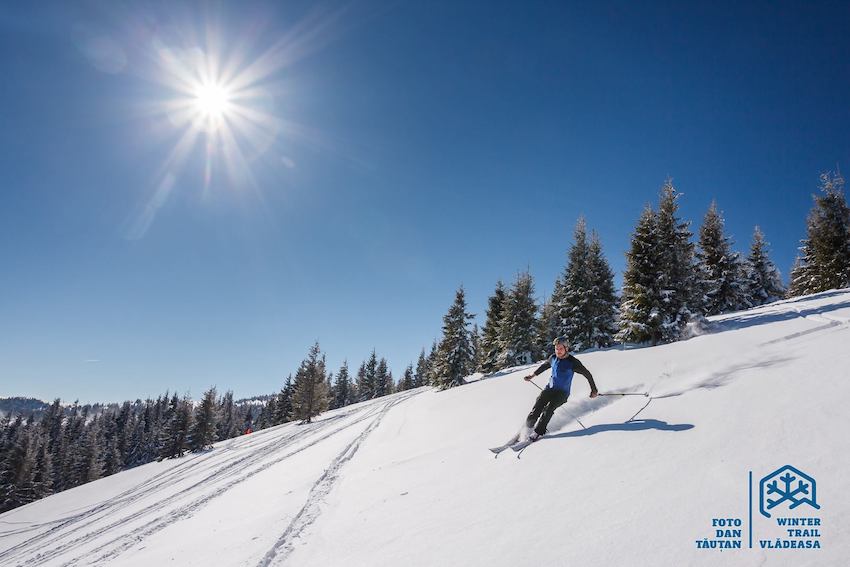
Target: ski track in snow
[[159, 482], [829, 322], [229, 468], [311, 510]]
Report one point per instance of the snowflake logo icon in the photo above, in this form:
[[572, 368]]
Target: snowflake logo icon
[[787, 484]]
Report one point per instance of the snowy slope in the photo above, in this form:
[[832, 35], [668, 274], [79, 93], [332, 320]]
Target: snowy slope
[[407, 480]]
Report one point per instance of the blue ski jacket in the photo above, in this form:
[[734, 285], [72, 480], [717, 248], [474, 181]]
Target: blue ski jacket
[[562, 372]]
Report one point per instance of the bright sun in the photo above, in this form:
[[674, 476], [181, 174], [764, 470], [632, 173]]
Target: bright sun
[[212, 102]]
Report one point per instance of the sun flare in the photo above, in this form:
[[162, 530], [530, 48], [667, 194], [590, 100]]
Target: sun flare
[[212, 101]]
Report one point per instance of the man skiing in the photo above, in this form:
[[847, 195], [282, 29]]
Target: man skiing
[[563, 365]]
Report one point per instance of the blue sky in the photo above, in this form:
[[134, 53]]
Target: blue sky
[[404, 149]]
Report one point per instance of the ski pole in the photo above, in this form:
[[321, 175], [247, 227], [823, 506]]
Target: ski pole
[[535, 385], [644, 394]]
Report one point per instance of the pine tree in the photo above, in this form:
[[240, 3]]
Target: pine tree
[[603, 303], [383, 379], [676, 266], [432, 379], [762, 279], [548, 322], [719, 269], [42, 479], [825, 252], [454, 355], [17, 464], [517, 337], [228, 425], [342, 390], [88, 464], [640, 309], [366, 377], [203, 432], [573, 304], [283, 408], [408, 380], [489, 344], [421, 376], [175, 433], [310, 396]]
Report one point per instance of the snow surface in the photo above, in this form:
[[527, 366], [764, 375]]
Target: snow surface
[[408, 480]]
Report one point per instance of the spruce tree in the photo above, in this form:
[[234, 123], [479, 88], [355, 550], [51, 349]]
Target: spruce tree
[[228, 423], [676, 266], [283, 404], [408, 380], [719, 268], [548, 322], [517, 337], [366, 377], [88, 463], [174, 437], [573, 304], [203, 432], [489, 343], [603, 302], [342, 390], [421, 376], [640, 308], [454, 355], [825, 252], [309, 397], [383, 379], [762, 279], [42, 479]]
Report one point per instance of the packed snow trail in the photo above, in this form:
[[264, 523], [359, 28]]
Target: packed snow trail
[[312, 508]]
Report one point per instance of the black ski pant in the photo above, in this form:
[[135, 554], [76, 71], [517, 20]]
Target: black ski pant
[[547, 402]]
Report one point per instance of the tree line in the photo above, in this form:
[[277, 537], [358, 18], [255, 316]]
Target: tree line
[[671, 283]]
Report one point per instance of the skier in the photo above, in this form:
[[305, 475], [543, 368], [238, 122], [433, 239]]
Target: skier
[[563, 365]]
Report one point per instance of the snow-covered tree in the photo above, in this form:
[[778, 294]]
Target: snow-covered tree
[[454, 355], [203, 432], [310, 396], [283, 404], [366, 377], [420, 378], [676, 265], [584, 302], [174, 436], [640, 308], [383, 379], [488, 348], [407, 381], [719, 269], [603, 303], [342, 388], [824, 262], [762, 279], [547, 327], [518, 327], [228, 423]]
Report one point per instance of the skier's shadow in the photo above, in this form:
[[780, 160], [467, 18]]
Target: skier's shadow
[[634, 425]]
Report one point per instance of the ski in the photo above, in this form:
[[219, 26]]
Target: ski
[[507, 445], [517, 447]]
